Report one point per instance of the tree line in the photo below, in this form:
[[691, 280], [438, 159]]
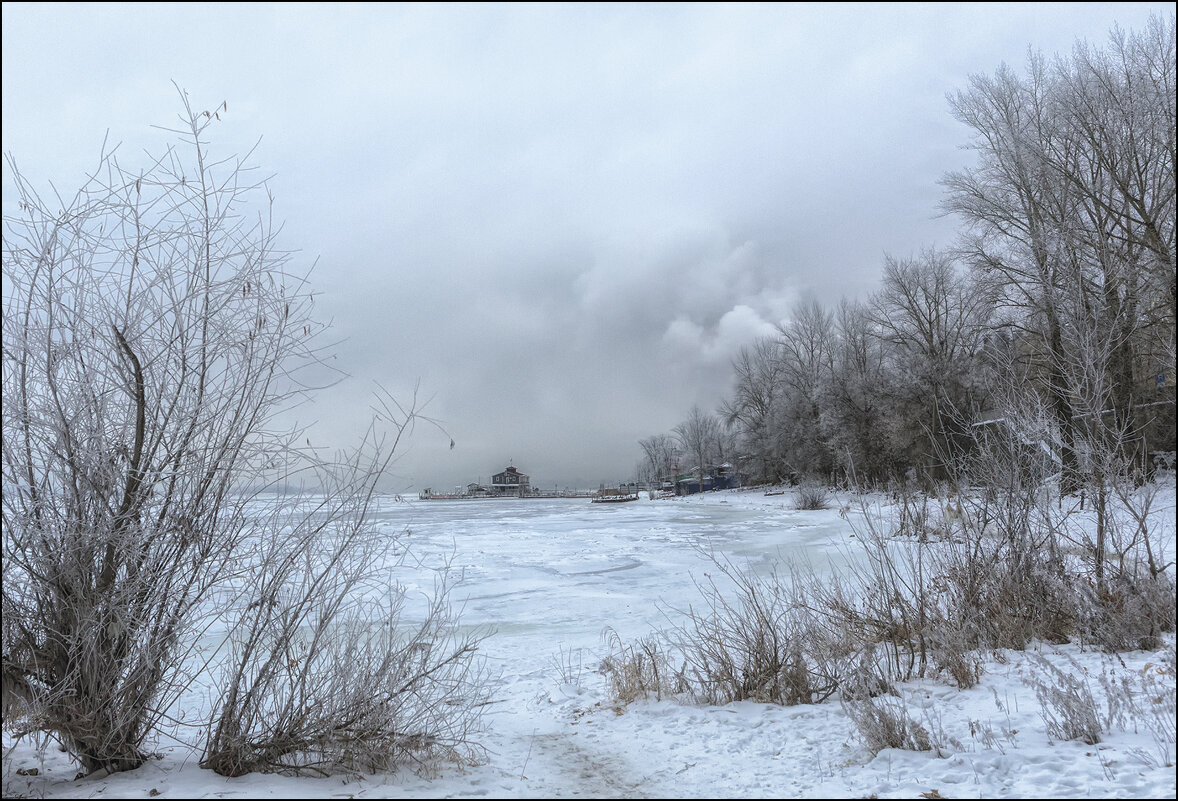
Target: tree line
[[1052, 313]]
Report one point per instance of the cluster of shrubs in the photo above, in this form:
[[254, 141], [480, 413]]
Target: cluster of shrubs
[[941, 583]]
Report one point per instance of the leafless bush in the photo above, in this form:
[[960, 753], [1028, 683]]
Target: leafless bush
[[998, 573], [954, 650], [569, 666], [1131, 611], [328, 672], [1002, 570], [1004, 591], [763, 645], [886, 724], [880, 717], [917, 519], [1154, 707], [639, 669], [1130, 597], [153, 334], [976, 571], [768, 643], [1069, 709], [932, 602], [811, 495], [903, 605], [889, 600]]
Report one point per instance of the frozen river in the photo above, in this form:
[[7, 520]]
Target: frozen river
[[548, 577], [556, 572]]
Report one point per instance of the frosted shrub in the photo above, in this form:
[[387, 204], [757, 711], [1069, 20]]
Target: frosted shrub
[[1069, 709], [811, 496], [884, 722], [951, 649], [1155, 707], [765, 644], [639, 670], [329, 669], [758, 646], [569, 666], [152, 334], [155, 339], [1131, 612]]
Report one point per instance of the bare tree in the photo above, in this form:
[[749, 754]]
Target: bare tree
[[856, 428], [698, 436], [1073, 193], [1118, 115], [1118, 106], [153, 337], [1011, 203], [933, 320], [755, 407], [328, 669], [660, 457], [807, 349]]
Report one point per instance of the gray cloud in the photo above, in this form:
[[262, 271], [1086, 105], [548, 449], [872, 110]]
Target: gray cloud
[[562, 220]]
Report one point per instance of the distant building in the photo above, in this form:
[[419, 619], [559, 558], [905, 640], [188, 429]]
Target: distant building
[[511, 482]]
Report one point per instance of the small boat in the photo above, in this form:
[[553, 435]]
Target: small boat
[[615, 499], [615, 495]]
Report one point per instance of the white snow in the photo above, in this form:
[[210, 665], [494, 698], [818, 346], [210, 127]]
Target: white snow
[[550, 575]]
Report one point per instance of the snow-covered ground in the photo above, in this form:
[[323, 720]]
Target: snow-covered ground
[[551, 576]]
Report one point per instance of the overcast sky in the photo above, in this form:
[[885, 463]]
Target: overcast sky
[[562, 220]]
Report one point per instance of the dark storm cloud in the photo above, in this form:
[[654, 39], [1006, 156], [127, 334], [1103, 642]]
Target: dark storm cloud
[[563, 221]]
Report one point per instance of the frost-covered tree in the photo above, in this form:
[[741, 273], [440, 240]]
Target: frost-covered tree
[[856, 421], [660, 458], [807, 352], [932, 320], [753, 413], [1070, 209], [699, 438]]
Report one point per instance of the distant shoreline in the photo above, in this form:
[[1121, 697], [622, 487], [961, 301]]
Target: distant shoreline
[[435, 496]]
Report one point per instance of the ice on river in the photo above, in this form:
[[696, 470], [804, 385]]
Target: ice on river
[[548, 576]]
